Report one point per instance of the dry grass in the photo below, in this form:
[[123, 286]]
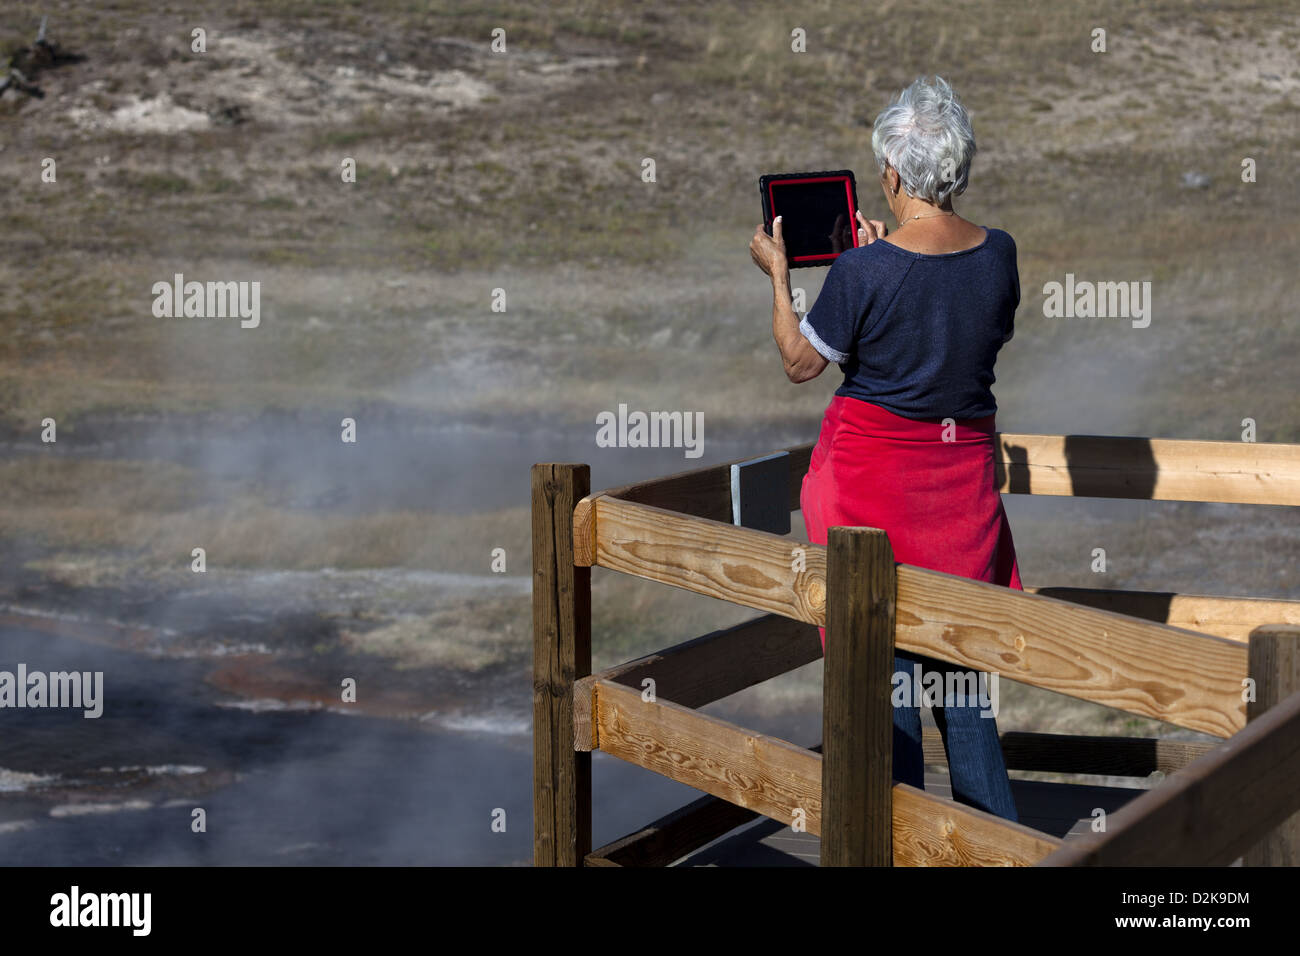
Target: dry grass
[[469, 636], [151, 515]]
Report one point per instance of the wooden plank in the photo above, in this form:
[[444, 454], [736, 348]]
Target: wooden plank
[[561, 654], [706, 669], [1208, 813], [727, 661], [931, 831], [1232, 618], [774, 777], [676, 835], [1153, 670], [1108, 756], [1098, 466], [1275, 667], [673, 836], [857, 717], [800, 459], [740, 565], [761, 773], [1189, 679], [584, 532], [1076, 753], [760, 493]]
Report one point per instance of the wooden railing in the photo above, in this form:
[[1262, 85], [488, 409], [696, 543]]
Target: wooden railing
[[1184, 659]]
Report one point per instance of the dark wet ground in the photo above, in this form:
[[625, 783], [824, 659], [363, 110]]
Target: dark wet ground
[[278, 787]]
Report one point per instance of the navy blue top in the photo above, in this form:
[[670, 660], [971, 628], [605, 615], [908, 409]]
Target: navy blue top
[[918, 334]]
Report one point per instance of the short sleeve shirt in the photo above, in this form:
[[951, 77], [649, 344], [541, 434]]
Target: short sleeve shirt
[[918, 334]]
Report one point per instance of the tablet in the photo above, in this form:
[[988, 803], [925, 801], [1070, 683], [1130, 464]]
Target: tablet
[[817, 214]]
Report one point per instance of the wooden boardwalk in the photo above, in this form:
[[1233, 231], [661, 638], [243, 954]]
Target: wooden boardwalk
[[1061, 809], [1220, 803]]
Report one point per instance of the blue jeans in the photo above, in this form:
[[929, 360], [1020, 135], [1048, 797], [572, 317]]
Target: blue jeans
[[975, 764]]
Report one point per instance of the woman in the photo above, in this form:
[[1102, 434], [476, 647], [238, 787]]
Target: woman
[[915, 320]]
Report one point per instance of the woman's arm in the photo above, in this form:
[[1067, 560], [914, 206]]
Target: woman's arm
[[802, 362]]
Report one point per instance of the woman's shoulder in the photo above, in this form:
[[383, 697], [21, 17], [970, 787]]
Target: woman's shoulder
[[874, 265], [877, 251], [1000, 237], [859, 256]]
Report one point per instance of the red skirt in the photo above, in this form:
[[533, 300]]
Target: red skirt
[[936, 499]]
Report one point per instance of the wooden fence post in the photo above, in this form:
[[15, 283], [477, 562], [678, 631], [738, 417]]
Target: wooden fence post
[[561, 655], [857, 718], [1274, 664]]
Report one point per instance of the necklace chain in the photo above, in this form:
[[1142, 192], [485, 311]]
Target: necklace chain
[[931, 216]]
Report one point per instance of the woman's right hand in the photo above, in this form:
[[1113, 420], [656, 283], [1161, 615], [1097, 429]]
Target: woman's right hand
[[869, 230]]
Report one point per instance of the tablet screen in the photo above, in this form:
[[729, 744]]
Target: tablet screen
[[816, 211]]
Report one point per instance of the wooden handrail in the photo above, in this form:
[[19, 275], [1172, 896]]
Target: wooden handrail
[[1084, 466], [772, 776], [708, 668], [1232, 618], [1183, 677], [777, 778], [1187, 820], [752, 568], [1104, 466], [1152, 670], [687, 829]]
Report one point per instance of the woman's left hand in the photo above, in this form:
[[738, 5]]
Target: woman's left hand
[[768, 252]]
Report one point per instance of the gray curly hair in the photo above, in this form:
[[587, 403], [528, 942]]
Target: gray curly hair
[[925, 134]]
